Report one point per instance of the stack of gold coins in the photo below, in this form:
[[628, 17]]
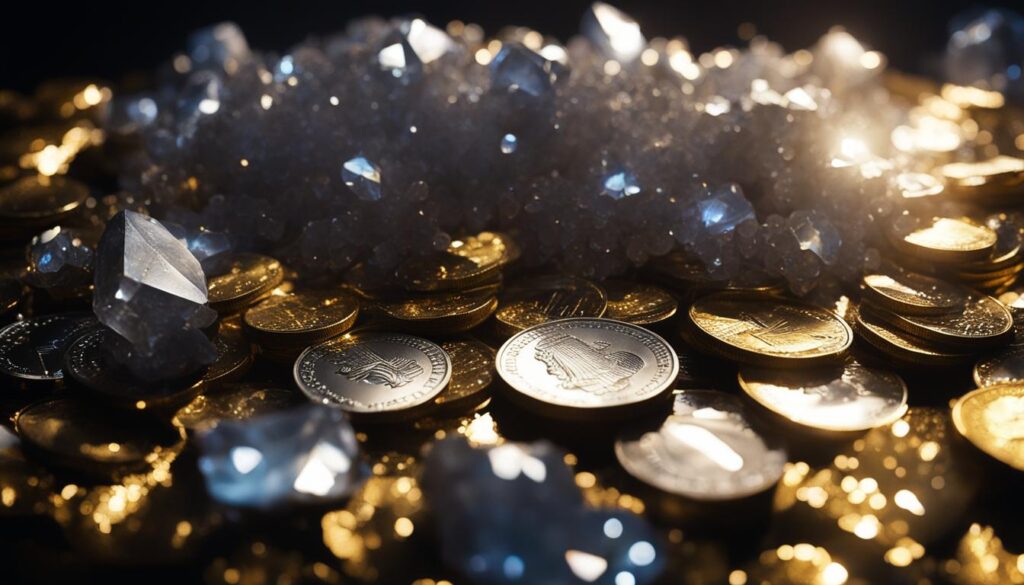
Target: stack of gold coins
[[284, 325], [247, 279]]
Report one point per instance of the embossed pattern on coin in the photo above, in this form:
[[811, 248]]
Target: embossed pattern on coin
[[639, 304], [472, 372], [982, 322], [705, 450], [587, 364], [546, 298], [303, 317], [992, 418], [899, 345], [850, 397], [440, 313], [947, 239], [373, 373], [249, 276], [33, 349], [769, 331], [913, 293]]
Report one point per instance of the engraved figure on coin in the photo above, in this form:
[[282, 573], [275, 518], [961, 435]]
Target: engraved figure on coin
[[579, 365], [359, 364]]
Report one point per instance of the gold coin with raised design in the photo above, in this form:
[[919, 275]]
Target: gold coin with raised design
[[992, 419], [981, 322], [766, 330], [912, 293], [441, 313], [249, 277], [472, 373], [948, 240], [546, 298], [639, 304], [301, 319]]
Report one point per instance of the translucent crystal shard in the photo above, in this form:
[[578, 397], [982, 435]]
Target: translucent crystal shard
[[815, 233], [362, 177], [723, 209], [221, 46], [305, 454], [986, 48], [516, 68], [614, 32], [200, 97], [620, 185], [59, 258], [426, 40], [399, 58]]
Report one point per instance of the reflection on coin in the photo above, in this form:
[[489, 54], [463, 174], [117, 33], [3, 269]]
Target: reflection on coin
[[486, 249], [578, 366], [912, 293], [373, 373], [1005, 367], [545, 298], [849, 397], [705, 450], [301, 318], [946, 239], [472, 373], [234, 353], [89, 438], [37, 198], [249, 276], [992, 418], [982, 322], [901, 346], [11, 294], [769, 331], [916, 185], [639, 304], [233, 402], [33, 349], [445, 272], [440, 313]]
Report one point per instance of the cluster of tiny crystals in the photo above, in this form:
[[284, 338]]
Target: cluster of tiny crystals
[[598, 156]]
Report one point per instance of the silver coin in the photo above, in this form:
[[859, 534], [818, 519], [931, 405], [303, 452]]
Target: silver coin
[[584, 363], [843, 398], [1005, 367], [33, 349], [373, 373], [705, 450]]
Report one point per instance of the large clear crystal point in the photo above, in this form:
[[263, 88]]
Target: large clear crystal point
[[517, 68], [221, 46], [613, 31], [148, 285], [305, 454], [362, 177], [724, 208]]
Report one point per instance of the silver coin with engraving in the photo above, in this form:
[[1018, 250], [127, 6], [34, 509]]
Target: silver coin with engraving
[[373, 373], [585, 365], [1005, 367], [33, 349], [705, 450], [845, 398]]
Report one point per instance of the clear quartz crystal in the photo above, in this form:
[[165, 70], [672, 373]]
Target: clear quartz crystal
[[517, 68], [724, 209], [306, 454], [362, 177]]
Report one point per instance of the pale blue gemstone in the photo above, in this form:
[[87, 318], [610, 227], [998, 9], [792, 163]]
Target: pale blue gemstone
[[620, 185], [815, 233], [362, 177], [516, 68], [724, 209], [307, 454], [509, 143]]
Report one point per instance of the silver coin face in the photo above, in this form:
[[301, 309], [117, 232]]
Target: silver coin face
[[1005, 367], [850, 397], [33, 349], [705, 450], [373, 373], [588, 363]]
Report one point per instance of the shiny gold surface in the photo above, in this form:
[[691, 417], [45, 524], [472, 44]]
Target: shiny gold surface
[[301, 318], [899, 345], [948, 239], [639, 304], [439, 313], [912, 293], [992, 419], [486, 249], [248, 276], [982, 322], [546, 298], [233, 402], [472, 371]]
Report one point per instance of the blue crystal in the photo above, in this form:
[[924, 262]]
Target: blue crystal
[[516, 68], [986, 48], [59, 258], [620, 185], [362, 177], [306, 454], [815, 233], [724, 209], [221, 46]]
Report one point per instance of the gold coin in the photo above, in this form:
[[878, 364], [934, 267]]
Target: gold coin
[[445, 272], [472, 373], [949, 240], [981, 322], [912, 293], [901, 346], [41, 199], [302, 318], [639, 304], [233, 402], [771, 331], [249, 277], [918, 185], [995, 178], [234, 353], [486, 249], [440, 313], [546, 298], [845, 398], [992, 419], [1005, 367]]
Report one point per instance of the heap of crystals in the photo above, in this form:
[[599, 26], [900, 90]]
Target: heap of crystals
[[596, 155]]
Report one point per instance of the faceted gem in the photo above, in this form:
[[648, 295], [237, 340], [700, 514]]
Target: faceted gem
[[398, 57], [149, 287], [306, 454], [986, 48], [59, 258], [221, 46], [620, 185], [724, 209], [209, 247], [362, 177], [815, 233], [517, 68], [614, 32], [428, 42]]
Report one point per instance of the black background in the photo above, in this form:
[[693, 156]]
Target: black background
[[110, 39]]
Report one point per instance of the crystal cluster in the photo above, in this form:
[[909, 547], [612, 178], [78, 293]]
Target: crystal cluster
[[597, 155], [512, 513], [59, 258]]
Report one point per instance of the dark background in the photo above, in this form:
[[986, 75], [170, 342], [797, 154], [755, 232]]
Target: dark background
[[109, 39]]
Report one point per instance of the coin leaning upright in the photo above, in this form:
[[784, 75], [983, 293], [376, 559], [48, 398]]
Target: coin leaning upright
[[578, 365], [373, 373]]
